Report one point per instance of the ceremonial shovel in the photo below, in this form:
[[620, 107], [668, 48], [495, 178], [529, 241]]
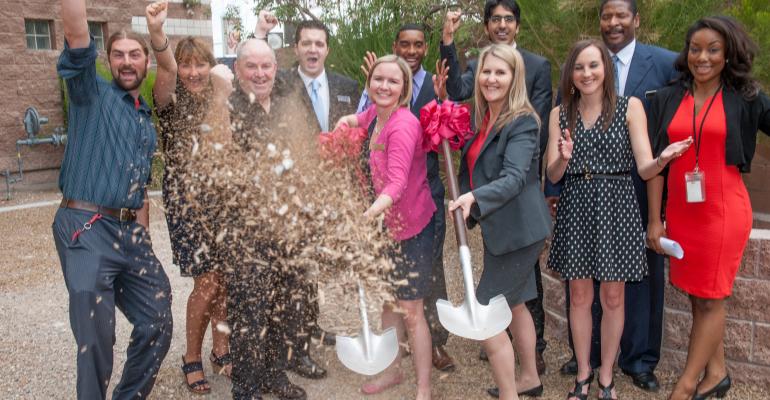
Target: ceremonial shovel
[[470, 320], [367, 354]]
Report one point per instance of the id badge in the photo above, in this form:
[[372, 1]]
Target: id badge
[[695, 183]]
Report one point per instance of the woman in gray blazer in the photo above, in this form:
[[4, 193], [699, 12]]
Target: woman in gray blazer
[[499, 179]]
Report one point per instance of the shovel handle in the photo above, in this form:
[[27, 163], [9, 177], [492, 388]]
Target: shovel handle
[[365, 323], [454, 192], [362, 306]]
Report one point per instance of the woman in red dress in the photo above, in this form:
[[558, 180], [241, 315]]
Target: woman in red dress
[[708, 212]]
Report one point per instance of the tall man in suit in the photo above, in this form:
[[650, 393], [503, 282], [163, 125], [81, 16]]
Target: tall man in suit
[[410, 44], [639, 68], [501, 22]]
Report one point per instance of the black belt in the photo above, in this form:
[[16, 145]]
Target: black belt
[[623, 176], [121, 214]]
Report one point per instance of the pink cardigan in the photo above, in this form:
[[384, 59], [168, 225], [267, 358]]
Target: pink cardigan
[[398, 165]]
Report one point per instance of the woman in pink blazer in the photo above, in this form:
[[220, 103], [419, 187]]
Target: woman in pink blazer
[[395, 162]]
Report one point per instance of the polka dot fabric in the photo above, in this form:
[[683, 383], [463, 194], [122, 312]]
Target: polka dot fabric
[[598, 233]]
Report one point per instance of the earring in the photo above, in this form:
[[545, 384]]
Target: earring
[[572, 90]]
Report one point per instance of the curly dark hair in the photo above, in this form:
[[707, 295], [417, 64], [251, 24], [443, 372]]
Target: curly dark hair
[[740, 51]]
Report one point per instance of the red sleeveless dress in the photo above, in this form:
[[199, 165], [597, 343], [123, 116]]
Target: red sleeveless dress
[[713, 233]]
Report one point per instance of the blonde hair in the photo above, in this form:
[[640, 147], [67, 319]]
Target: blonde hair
[[406, 93], [518, 102]]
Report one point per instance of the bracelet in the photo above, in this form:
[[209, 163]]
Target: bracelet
[[159, 50], [657, 162]]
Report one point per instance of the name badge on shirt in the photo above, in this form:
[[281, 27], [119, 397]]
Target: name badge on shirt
[[343, 99], [695, 183]]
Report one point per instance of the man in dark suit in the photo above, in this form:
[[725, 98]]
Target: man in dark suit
[[328, 96], [639, 68], [410, 44], [501, 22], [258, 317]]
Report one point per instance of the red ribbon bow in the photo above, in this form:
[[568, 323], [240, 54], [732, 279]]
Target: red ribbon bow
[[344, 143], [448, 121]]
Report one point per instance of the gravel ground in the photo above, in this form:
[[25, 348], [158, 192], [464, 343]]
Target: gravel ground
[[39, 350]]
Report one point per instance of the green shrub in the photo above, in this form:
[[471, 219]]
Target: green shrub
[[548, 27]]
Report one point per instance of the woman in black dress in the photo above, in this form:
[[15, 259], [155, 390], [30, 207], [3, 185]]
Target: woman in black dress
[[595, 139], [183, 94]]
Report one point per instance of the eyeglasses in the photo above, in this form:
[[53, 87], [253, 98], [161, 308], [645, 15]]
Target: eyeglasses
[[499, 18]]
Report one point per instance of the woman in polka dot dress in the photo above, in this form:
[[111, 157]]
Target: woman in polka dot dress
[[595, 136]]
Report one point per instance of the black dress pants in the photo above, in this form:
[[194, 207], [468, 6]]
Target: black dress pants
[[259, 314]]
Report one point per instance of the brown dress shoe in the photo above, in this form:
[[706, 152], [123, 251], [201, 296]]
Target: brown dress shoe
[[441, 360]]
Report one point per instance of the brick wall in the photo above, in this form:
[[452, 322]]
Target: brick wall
[[28, 77], [747, 335]]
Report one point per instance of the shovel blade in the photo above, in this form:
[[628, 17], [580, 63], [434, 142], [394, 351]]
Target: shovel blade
[[353, 354], [488, 320]]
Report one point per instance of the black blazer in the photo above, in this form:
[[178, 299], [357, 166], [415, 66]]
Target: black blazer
[[744, 119], [651, 68], [509, 203], [537, 76], [426, 95], [342, 94]]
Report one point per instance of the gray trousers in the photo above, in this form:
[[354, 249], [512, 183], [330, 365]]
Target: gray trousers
[[112, 264]]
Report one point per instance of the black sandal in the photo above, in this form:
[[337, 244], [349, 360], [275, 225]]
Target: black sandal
[[218, 364], [605, 392], [197, 387], [577, 391]]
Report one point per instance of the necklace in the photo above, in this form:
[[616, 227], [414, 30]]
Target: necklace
[[378, 126], [589, 122]]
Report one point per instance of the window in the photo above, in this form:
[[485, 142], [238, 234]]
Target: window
[[38, 34], [96, 29]]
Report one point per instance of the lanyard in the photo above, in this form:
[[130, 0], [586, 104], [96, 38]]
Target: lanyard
[[698, 135]]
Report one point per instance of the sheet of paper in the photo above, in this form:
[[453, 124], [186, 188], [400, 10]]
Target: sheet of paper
[[671, 248]]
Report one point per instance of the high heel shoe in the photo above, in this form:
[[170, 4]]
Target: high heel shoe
[[719, 391], [536, 391], [577, 391], [220, 363], [605, 392], [200, 386]]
